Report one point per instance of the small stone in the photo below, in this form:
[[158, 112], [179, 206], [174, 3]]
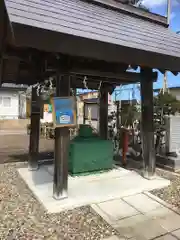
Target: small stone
[[170, 194]]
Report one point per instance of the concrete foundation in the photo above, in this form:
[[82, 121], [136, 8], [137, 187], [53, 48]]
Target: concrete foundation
[[86, 190], [169, 162]]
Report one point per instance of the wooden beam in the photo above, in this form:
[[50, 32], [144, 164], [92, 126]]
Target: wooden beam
[[107, 71], [163, 72], [84, 63], [147, 123], [103, 112], [3, 36], [34, 132], [120, 77], [77, 80], [79, 66], [26, 55], [62, 138], [52, 63]]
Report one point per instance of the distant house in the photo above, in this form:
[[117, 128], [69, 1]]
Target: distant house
[[175, 91], [12, 101], [93, 95]]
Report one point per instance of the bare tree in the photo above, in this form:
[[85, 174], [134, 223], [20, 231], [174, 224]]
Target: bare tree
[[130, 2], [137, 3]]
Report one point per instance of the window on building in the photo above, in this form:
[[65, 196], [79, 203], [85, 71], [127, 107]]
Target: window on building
[[6, 101]]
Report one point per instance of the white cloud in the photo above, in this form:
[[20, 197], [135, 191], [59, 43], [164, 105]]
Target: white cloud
[[159, 3], [173, 15], [154, 3]]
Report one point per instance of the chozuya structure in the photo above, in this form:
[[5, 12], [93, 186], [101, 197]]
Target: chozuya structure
[[98, 39]]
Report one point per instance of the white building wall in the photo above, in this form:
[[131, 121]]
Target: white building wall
[[176, 93], [12, 110], [22, 105]]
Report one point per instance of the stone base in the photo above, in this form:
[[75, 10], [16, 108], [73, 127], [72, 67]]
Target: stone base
[[169, 162], [147, 176], [166, 162], [60, 197], [33, 168]]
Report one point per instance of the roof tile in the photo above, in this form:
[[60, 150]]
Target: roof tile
[[88, 20]]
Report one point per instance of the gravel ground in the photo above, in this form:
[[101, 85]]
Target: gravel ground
[[23, 218], [169, 194]]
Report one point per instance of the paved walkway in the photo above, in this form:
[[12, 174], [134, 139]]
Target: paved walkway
[[140, 217]]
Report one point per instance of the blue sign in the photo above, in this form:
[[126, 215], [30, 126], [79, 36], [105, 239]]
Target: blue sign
[[64, 111]]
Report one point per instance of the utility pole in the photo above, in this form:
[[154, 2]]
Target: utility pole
[[165, 83], [168, 11], [168, 22]]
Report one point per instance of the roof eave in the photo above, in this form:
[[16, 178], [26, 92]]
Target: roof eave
[[132, 10]]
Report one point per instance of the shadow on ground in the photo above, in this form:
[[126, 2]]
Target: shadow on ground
[[14, 148], [129, 164], [24, 157]]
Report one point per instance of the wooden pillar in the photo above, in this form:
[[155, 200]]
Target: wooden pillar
[[84, 107], [147, 125], [73, 92], [118, 122], [103, 112], [62, 138], [34, 132], [118, 115], [3, 38]]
